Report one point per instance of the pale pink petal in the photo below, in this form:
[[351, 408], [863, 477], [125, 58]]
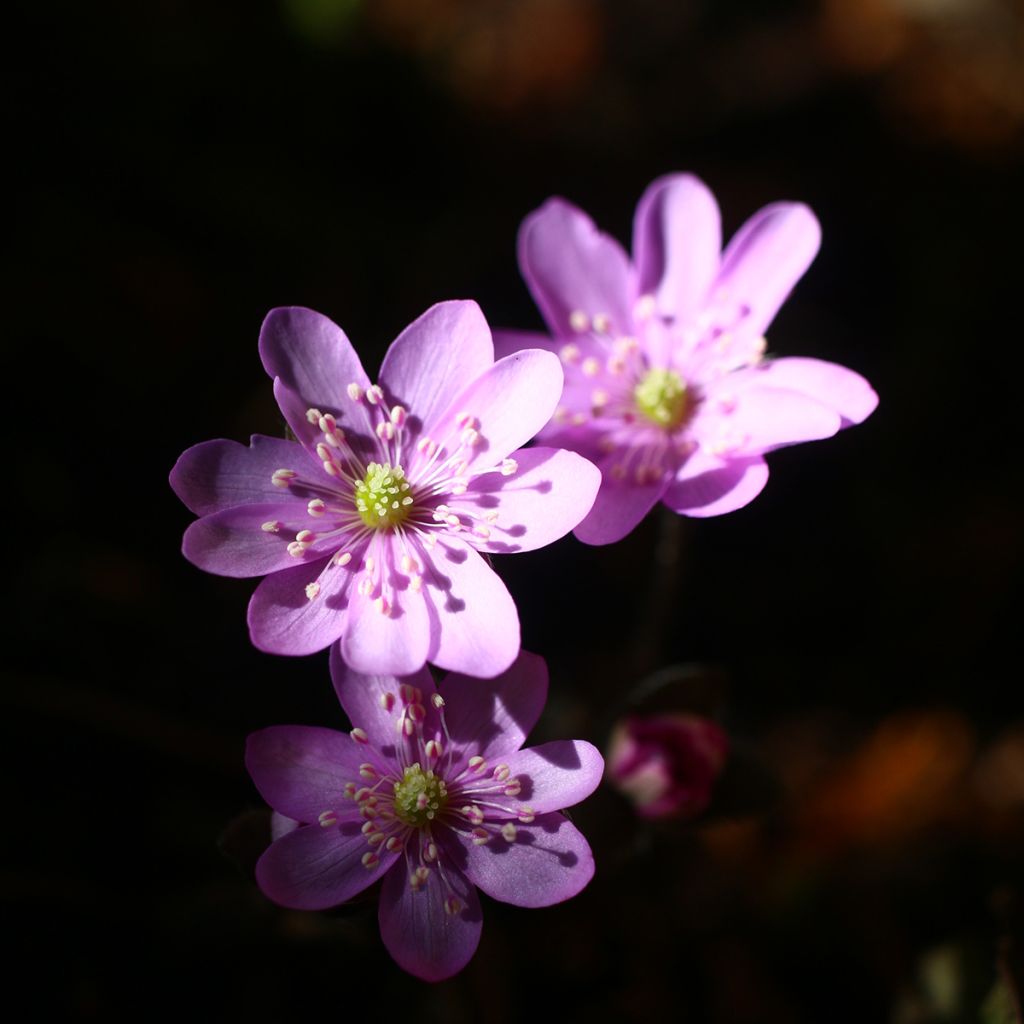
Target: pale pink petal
[[474, 623], [550, 776], [387, 632], [494, 716], [282, 617], [708, 486], [547, 862], [677, 238], [315, 868], [571, 267], [765, 259], [219, 474], [234, 542], [435, 357], [508, 342], [373, 702], [508, 404], [843, 390], [422, 936], [748, 419], [301, 770], [619, 507], [314, 359], [548, 494]]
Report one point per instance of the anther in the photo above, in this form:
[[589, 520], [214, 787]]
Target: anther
[[473, 814], [514, 788], [602, 323], [343, 558], [417, 712], [312, 590], [477, 764], [367, 771], [408, 564], [430, 852], [579, 321], [355, 392], [470, 437], [364, 586], [387, 701], [376, 839], [370, 860], [313, 416], [480, 836], [426, 447], [317, 507], [569, 353], [508, 832], [271, 526], [383, 605], [283, 477], [374, 395], [360, 737], [305, 537], [644, 308], [452, 905], [386, 430], [509, 467], [398, 415], [350, 790], [432, 749], [369, 828], [393, 843], [407, 692], [437, 700], [328, 424], [464, 420], [501, 772], [327, 819], [590, 367], [526, 814]]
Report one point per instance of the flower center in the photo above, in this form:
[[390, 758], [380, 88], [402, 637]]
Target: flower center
[[382, 498], [420, 796], [662, 397]]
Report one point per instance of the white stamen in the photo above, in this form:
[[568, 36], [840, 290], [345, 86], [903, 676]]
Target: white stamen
[[398, 415], [437, 700], [370, 860], [644, 308], [360, 737], [271, 526], [464, 420], [387, 701], [570, 353], [343, 558], [508, 832], [367, 771], [590, 367], [327, 819], [480, 836], [312, 590], [579, 321], [355, 392], [526, 814], [374, 395], [509, 467], [386, 430], [501, 772], [477, 764], [602, 323], [432, 749], [383, 605], [313, 416], [317, 507], [283, 477], [452, 905]]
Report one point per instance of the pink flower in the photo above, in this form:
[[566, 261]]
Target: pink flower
[[370, 527], [430, 793], [666, 384], [666, 764]]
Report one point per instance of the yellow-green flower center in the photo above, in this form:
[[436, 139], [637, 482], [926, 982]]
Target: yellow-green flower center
[[382, 498], [662, 397], [419, 797]]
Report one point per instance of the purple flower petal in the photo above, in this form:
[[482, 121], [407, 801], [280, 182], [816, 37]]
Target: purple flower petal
[[571, 267], [843, 390], [511, 401], [547, 862], [759, 418], [436, 356], [281, 825], [542, 501], [283, 619], [420, 933], [219, 474], [234, 543], [766, 258], [494, 716], [508, 342], [395, 641], [552, 775], [314, 868], [677, 237], [314, 359], [618, 508], [301, 770], [709, 487], [366, 699], [475, 626]]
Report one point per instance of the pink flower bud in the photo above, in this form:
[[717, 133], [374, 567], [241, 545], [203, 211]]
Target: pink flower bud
[[666, 764]]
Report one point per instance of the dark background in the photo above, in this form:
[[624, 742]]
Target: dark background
[[183, 166]]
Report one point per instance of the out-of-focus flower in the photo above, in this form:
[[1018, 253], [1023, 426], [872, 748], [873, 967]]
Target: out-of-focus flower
[[666, 764], [666, 384], [431, 793], [370, 527]]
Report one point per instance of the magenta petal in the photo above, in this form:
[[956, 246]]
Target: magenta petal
[[364, 699], [553, 775], [709, 487], [570, 266], [437, 355], [766, 258], [550, 492], [234, 543], [314, 359], [474, 620], [419, 933], [314, 868], [219, 474], [494, 716], [677, 237], [301, 770], [394, 642], [510, 402], [283, 619], [848, 393], [547, 862], [508, 342], [619, 507]]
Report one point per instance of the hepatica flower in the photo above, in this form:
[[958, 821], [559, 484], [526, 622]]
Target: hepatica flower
[[370, 526], [667, 387], [431, 794]]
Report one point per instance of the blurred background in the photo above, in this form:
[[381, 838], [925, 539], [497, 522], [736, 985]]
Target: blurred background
[[184, 166]]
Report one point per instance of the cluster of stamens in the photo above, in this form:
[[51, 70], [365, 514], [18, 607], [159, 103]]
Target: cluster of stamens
[[427, 785], [641, 409], [363, 498]]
